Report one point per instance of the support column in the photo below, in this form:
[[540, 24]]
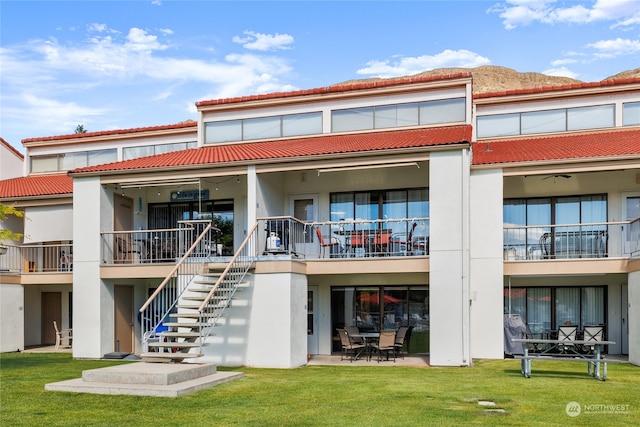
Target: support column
[[449, 258]]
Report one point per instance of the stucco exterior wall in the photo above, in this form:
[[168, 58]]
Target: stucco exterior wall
[[449, 275], [11, 317], [634, 318], [266, 325], [10, 163], [486, 271], [92, 301]]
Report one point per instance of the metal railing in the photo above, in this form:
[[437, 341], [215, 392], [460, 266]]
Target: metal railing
[[219, 297], [164, 299], [43, 258], [368, 238], [156, 246], [571, 241]]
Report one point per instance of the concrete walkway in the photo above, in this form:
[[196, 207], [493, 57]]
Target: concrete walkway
[[420, 360]]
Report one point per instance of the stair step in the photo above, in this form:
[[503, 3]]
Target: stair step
[[192, 325], [192, 315], [150, 356], [168, 344], [171, 334], [196, 306]]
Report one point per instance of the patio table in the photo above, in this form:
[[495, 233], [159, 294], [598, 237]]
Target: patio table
[[369, 338], [594, 361]]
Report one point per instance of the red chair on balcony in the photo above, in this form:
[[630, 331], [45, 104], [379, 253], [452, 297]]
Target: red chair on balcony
[[359, 239], [331, 244]]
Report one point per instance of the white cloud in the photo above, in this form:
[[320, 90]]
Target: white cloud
[[98, 28], [53, 115], [412, 65], [517, 13], [65, 83], [561, 72], [139, 40], [264, 42], [566, 61], [615, 47]]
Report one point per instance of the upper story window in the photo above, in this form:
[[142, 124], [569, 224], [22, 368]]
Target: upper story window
[[399, 115], [149, 150], [631, 114], [560, 120], [68, 161], [263, 127]]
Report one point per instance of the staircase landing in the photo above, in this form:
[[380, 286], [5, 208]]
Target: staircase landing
[[147, 379]]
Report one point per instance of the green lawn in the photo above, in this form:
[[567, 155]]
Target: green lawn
[[331, 395]]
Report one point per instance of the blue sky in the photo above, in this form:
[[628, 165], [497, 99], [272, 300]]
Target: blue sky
[[125, 64]]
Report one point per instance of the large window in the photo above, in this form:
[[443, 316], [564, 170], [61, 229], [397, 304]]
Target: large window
[[546, 308], [167, 215], [263, 127], [150, 150], [556, 227], [631, 114], [381, 205], [560, 120], [399, 115], [69, 161], [377, 308]]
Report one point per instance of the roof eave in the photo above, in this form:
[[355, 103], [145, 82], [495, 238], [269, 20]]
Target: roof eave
[[270, 162], [560, 92], [348, 92], [568, 165]]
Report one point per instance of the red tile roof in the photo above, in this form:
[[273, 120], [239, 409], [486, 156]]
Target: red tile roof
[[337, 88], [36, 185], [186, 124], [295, 148], [547, 89], [587, 145]]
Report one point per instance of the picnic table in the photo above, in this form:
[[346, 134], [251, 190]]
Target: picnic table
[[565, 350]]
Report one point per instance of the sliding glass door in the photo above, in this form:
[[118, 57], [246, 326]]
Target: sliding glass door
[[377, 308]]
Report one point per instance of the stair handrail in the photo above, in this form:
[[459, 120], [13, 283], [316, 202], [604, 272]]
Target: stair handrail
[[175, 268], [228, 267], [249, 259], [174, 273]]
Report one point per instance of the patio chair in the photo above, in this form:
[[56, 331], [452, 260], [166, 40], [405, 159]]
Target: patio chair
[[359, 239], [331, 244], [63, 337], [545, 245], [354, 330], [386, 343], [593, 333], [348, 347], [533, 347], [127, 253], [401, 335], [566, 333], [404, 245]]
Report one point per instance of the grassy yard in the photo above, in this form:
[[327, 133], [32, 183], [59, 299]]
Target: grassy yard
[[331, 395]]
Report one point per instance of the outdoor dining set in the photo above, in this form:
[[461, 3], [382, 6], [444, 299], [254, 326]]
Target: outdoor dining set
[[357, 344]]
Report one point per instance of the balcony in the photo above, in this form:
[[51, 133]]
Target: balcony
[[619, 239], [276, 236], [42, 258]]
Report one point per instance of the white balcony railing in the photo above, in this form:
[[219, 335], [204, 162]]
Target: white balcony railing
[[43, 258], [158, 246]]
